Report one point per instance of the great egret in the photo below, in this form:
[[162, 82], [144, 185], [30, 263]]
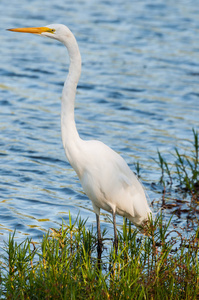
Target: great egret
[[105, 177]]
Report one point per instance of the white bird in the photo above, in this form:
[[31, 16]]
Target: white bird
[[104, 175]]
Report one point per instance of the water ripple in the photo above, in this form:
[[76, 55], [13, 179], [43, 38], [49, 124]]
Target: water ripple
[[138, 92]]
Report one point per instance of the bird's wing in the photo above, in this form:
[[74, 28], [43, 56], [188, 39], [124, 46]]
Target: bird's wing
[[109, 182]]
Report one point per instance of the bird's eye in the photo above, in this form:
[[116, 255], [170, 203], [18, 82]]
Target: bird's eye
[[51, 30]]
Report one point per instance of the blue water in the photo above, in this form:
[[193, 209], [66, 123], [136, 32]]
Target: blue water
[[139, 92]]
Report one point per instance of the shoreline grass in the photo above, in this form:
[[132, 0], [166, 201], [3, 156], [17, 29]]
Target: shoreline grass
[[184, 171], [64, 265]]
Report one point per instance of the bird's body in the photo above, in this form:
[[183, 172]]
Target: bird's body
[[105, 177], [116, 187]]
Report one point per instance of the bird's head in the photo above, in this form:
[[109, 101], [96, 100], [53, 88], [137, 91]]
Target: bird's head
[[54, 31], [58, 32]]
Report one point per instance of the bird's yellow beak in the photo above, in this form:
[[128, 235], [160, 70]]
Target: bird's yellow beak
[[35, 30]]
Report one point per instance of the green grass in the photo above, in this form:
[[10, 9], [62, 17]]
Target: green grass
[[185, 169], [179, 182], [64, 265]]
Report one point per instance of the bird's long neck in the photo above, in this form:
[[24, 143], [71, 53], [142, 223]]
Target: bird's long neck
[[70, 136]]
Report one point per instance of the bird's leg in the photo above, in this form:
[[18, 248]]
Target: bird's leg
[[115, 243], [99, 245]]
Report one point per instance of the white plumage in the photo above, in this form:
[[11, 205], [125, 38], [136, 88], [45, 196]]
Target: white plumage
[[105, 177]]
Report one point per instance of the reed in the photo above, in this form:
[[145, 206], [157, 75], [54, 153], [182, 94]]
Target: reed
[[64, 265], [184, 171]]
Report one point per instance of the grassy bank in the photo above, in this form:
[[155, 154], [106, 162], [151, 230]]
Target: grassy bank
[[64, 265]]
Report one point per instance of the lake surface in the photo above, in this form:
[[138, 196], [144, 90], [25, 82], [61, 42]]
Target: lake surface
[[139, 92]]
